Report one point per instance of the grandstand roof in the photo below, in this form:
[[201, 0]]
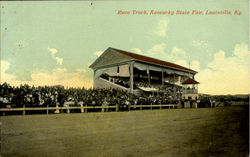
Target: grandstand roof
[[115, 56], [190, 81], [153, 60]]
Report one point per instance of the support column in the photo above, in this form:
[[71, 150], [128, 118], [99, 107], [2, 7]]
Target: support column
[[185, 90], [131, 77], [174, 87], [196, 87], [174, 78], [162, 76], [148, 71], [94, 78]]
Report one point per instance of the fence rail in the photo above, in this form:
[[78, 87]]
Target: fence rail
[[84, 108]]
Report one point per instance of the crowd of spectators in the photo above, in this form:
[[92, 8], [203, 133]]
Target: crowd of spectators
[[116, 80], [121, 82], [168, 90], [52, 96]]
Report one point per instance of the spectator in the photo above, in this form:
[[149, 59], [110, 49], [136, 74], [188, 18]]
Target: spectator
[[51, 95]]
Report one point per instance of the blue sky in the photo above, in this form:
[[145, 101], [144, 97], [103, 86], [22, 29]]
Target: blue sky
[[55, 42]]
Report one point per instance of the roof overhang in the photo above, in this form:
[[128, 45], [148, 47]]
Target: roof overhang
[[190, 81], [143, 59]]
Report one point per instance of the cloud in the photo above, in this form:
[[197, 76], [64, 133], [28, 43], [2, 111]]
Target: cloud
[[98, 53], [61, 76], [199, 43], [53, 51], [4, 66], [137, 50], [177, 56], [241, 53], [223, 75], [159, 51], [182, 63], [59, 60], [161, 28], [194, 65], [178, 52], [5, 77], [80, 70], [58, 76], [226, 75]]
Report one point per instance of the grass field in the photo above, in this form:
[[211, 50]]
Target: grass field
[[207, 132]]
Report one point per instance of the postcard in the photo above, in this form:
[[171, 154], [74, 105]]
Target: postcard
[[124, 78]]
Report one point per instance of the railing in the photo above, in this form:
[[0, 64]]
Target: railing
[[84, 108], [190, 91], [114, 84]]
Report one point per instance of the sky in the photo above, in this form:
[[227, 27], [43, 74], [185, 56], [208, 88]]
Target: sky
[[54, 42]]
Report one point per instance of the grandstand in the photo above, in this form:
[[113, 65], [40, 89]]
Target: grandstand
[[138, 74]]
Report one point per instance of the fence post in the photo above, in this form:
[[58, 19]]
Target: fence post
[[151, 107], [160, 106], [86, 110], [140, 107], [103, 108], [47, 109], [82, 110], [117, 108], [24, 110], [68, 111], [57, 108], [196, 105]]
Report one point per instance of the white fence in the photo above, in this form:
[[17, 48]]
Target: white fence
[[84, 109]]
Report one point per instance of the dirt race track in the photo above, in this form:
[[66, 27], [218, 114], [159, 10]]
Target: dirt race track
[[208, 132]]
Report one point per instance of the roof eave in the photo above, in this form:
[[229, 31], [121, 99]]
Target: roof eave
[[193, 72], [124, 52]]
